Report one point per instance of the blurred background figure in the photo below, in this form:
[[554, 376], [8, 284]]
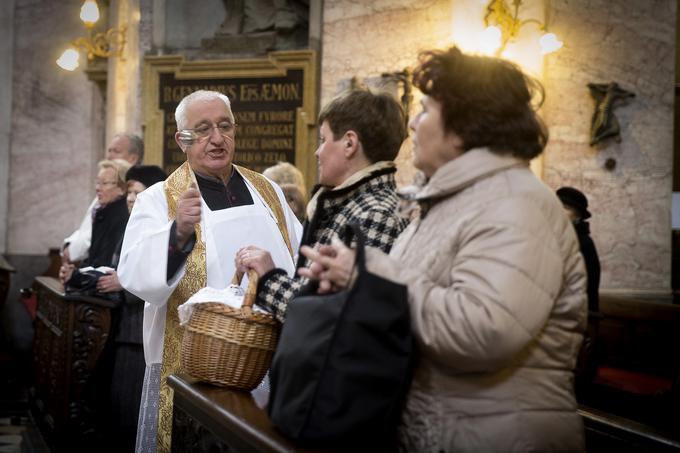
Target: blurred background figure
[[291, 181], [576, 205], [108, 219], [140, 178], [127, 348], [128, 147], [108, 226]]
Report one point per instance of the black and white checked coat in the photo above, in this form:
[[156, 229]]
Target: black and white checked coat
[[370, 202]]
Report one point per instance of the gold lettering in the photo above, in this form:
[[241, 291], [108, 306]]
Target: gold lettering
[[245, 117], [272, 157], [247, 143], [249, 92], [276, 143], [249, 157], [267, 129], [230, 91], [276, 116], [266, 92], [270, 92]]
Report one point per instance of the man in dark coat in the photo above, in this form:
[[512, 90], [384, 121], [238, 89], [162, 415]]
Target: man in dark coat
[[576, 205]]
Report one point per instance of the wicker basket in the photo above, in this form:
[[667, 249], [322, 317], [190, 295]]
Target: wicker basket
[[228, 346]]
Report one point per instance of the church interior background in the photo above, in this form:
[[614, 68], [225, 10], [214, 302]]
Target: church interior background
[[54, 123]]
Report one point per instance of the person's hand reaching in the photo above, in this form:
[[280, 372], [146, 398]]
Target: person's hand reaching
[[109, 283], [331, 265]]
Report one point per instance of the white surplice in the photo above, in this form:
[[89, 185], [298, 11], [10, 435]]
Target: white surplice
[[79, 241], [142, 269]]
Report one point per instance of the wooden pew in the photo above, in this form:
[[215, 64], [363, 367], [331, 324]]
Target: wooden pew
[[634, 392], [210, 418], [70, 334]]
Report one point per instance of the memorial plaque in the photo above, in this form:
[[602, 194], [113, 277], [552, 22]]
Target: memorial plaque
[[273, 101], [264, 109]]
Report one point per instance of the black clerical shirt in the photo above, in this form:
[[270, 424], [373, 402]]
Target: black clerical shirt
[[217, 196]]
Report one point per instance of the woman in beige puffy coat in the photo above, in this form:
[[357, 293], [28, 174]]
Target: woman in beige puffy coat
[[495, 278]]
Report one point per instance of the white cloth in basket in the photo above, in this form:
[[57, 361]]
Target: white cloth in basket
[[231, 296]]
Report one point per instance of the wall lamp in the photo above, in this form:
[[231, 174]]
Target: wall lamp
[[503, 26], [108, 44]]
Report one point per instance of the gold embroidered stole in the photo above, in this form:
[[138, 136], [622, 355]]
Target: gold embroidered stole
[[195, 278]]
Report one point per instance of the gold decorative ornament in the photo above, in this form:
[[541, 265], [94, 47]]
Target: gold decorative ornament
[[104, 44], [503, 25]]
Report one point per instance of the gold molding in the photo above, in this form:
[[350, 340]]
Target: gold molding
[[274, 64]]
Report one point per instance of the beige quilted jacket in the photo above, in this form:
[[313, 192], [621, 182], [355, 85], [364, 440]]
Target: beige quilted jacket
[[497, 291]]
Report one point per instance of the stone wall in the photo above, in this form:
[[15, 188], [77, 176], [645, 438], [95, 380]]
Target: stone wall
[[6, 57], [632, 43], [58, 118], [56, 130], [365, 40]]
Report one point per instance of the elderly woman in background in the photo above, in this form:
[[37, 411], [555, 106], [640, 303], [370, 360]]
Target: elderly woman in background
[[360, 135], [108, 227], [291, 181], [127, 351], [285, 173], [108, 220], [495, 278]]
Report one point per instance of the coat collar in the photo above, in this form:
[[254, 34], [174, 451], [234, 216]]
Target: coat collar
[[355, 180], [460, 173]]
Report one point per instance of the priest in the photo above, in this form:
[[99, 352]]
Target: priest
[[183, 235]]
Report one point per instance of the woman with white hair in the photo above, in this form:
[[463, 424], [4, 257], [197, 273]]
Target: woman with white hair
[[108, 219]]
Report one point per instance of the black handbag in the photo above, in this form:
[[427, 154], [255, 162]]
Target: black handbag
[[84, 283], [343, 364]]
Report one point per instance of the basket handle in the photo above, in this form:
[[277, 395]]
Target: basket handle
[[251, 290]]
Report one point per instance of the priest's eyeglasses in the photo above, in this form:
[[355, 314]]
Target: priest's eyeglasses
[[202, 132]]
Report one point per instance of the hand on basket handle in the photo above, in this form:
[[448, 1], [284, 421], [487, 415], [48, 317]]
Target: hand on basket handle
[[251, 290], [188, 214], [254, 258]]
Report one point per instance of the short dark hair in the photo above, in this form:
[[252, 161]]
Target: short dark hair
[[146, 174], [486, 101], [377, 118]]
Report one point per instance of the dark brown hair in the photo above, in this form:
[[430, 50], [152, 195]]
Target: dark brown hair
[[486, 101], [377, 118]]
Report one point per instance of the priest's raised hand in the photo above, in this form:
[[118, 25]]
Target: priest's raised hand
[[188, 214]]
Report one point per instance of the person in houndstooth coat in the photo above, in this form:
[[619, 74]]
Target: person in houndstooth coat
[[360, 135]]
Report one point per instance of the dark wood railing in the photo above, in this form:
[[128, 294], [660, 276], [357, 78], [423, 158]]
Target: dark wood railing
[[70, 334], [633, 395], [210, 418], [631, 402]]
